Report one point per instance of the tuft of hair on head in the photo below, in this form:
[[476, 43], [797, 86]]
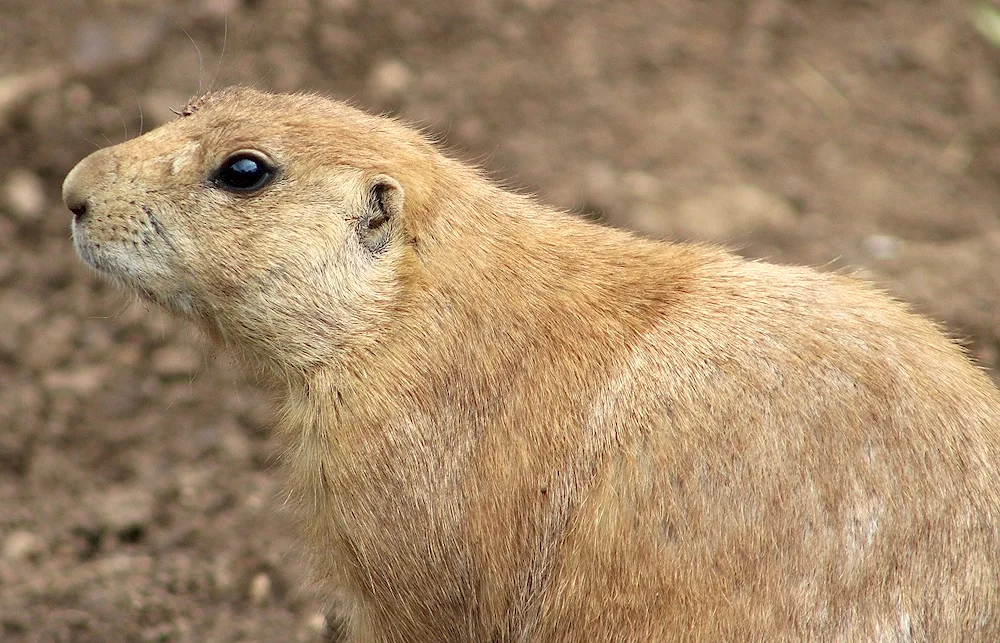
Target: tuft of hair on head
[[195, 104]]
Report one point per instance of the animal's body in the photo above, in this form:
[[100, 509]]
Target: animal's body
[[503, 423]]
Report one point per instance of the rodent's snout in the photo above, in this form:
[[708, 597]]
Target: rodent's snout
[[77, 205], [83, 179]]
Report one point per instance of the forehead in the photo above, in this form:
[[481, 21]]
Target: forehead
[[209, 134], [286, 127], [247, 114], [223, 121]]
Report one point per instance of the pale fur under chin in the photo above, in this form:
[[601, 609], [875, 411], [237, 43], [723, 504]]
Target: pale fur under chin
[[526, 427]]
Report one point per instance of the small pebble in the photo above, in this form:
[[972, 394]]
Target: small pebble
[[260, 588], [51, 343], [16, 88], [602, 185], [882, 246], [121, 510], [221, 8], [234, 443], [936, 47], [78, 98], [643, 185], [732, 211], [24, 196], [176, 361], [222, 574], [21, 545], [317, 622], [390, 79], [83, 380], [537, 5]]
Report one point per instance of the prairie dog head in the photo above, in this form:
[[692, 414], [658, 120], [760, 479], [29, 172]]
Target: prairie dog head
[[279, 223]]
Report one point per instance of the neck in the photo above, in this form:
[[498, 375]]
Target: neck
[[512, 309]]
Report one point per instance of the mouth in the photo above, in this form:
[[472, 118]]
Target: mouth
[[82, 245], [108, 258], [125, 265]]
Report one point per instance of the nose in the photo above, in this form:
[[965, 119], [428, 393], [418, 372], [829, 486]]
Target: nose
[[77, 204], [88, 177]]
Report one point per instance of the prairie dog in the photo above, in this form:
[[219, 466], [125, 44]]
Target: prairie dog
[[503, 423]]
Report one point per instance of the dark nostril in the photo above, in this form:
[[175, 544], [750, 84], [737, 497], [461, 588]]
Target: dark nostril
[[78, 209]]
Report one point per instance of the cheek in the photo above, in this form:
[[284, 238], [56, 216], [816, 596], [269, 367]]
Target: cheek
[[361, 284], [245, 264], [269, 244]]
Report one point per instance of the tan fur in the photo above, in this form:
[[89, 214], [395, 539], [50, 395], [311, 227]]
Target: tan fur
[[509, 424]]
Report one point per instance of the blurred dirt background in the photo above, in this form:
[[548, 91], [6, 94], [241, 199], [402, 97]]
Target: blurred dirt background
[[139, 497]]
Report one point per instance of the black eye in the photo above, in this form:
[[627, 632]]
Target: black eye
[[244, 172]]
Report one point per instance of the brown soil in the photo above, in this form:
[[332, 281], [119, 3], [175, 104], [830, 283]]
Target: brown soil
[[139, 498]]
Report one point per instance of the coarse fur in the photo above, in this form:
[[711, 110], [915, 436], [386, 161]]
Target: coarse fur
[[503, 423]]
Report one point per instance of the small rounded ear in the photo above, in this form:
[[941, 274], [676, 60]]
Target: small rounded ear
[[382, 207]]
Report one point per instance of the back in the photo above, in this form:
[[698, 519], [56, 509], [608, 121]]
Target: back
[[796, 459]]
